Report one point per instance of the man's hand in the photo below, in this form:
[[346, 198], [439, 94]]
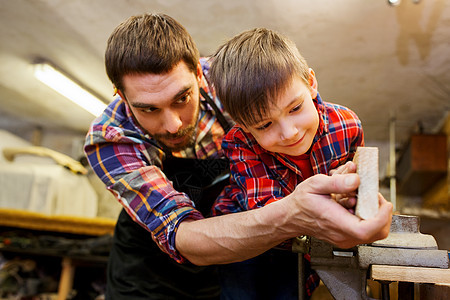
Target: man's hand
[[322, 217]]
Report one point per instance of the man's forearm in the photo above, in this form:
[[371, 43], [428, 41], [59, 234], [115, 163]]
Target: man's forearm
[[234, 237], [309, 210]]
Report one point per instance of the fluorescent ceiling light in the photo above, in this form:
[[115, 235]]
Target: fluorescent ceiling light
[[68, 88], [394, 2]]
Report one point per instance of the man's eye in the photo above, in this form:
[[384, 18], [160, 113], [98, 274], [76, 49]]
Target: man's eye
[[264, 126], [149, 109], [184, 99]]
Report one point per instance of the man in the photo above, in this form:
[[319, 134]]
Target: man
[[157, 148]]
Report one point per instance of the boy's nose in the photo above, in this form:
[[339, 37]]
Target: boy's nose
[[288, 131]]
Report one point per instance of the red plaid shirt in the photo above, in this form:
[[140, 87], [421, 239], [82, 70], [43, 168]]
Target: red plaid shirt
[[260, 177]]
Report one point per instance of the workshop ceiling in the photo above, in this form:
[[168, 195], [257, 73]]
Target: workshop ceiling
[[382, 61]]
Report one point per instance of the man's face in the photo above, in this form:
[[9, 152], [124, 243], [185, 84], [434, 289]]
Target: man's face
[[166, 105], [291, 123]]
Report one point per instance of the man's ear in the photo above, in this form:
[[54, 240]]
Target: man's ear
[[199, 72], [312, 83], [119, 92]]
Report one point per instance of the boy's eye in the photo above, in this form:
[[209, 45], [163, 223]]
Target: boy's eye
[[297, 108], [264, 126]]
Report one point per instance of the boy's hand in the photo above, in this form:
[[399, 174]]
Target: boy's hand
[[325, 219], [348, 167], [347, 200]]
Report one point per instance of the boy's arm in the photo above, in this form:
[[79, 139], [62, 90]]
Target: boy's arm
[[309, 210]]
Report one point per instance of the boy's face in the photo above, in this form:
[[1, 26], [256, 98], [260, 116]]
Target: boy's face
[[165, 105], [291, 123]]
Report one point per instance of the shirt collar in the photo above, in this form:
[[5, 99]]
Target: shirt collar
[[203, 84], [323, 117]]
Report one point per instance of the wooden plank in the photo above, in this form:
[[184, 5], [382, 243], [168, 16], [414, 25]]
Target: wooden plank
[[410, 274], [366, 160], [67, 224]]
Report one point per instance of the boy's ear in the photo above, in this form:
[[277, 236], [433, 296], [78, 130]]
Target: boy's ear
[[313, 83]]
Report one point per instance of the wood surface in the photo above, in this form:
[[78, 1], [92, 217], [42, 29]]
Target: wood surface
[[366, 160], [410, 274]]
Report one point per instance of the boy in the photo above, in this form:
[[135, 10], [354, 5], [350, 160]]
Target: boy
[[285, 133]]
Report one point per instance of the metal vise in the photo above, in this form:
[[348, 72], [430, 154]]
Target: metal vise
[[344, 271]]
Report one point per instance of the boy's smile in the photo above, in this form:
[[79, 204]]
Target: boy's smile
[[291, 123]]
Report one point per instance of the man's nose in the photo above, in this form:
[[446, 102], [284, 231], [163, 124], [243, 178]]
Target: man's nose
[[172, 121]]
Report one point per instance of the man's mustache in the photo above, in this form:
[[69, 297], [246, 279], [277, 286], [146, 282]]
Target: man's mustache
[[175, 135]]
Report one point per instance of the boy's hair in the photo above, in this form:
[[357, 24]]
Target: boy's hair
[[148, 43], [252, 69]]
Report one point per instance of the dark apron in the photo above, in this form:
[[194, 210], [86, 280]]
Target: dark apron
[[138, 269]]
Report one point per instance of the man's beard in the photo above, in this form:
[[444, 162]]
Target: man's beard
[[189, 132]]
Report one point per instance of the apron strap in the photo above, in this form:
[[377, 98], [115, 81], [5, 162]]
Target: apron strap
[[220, 117]]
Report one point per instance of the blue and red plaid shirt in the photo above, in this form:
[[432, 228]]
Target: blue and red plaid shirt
[[129, 162], [259, 177]]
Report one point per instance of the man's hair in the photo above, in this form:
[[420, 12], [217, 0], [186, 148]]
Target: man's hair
[[252, 69], [148, 43]]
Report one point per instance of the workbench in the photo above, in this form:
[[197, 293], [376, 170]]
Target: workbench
[[78, 227], [405, 257]]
